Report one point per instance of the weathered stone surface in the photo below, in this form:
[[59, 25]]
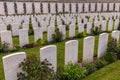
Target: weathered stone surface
[[72, 30], [49, 53], [116, 35], [6, 37], [62, 29], [51, 31], [88, 49], [71, 51], [81, 27], [11, 65], [23, 37], [38, 34], [102, 44]]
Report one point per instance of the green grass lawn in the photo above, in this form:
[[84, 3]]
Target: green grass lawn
[[36, 50], [110, 72]]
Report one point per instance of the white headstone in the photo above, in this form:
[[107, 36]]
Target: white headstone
[[89, 27], [117, 6], [60, 7], [20, 9], [110, 25], [116, 24], [111, 6], [15, 29], [103, 24], [81, 27], [62, 29], [86, 7], [80, 7], [11, 65], [88, 49], [52, 8], [99, 6], [73, 7], [72, 30], [51, 31], [38, 34], [37, 7], [23, 37], [71, 51], [6, 37], [10, 8], [2, 11], [28, 7], [92, 7], [102, 44], [49, 53], [116, 35], [105, 6], [67, 7], [2, 27]]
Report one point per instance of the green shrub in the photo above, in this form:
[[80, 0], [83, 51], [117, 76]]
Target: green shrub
[[72, 72], [15, 49], [4, 47], [110, 57], [57, 36], [34, 70], [39, 42], [100, 63], [118, 51], [90, 68], [9, 27], [112, 45], [31, 45], [80, 35], [95, 30]]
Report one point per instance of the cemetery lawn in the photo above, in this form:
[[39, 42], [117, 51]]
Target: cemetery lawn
[[36, 50], [110, 72]]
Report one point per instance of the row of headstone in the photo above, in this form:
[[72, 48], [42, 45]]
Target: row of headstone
[[50, 53], [49, 20], [38, 31], [44, 7]]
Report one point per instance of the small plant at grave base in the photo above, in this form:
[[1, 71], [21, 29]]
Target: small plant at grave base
[[29, 45], [112, 50], [72, 72], [118, 51], [15, 49], [32, 69], [88, 17], [95, 31], [80, 35], [4, 47], [9, 27], [57, 36], [110, 57], [90, 68], [112, 45], [39, 42], [67, 27], [100, 63], [85, 30]]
